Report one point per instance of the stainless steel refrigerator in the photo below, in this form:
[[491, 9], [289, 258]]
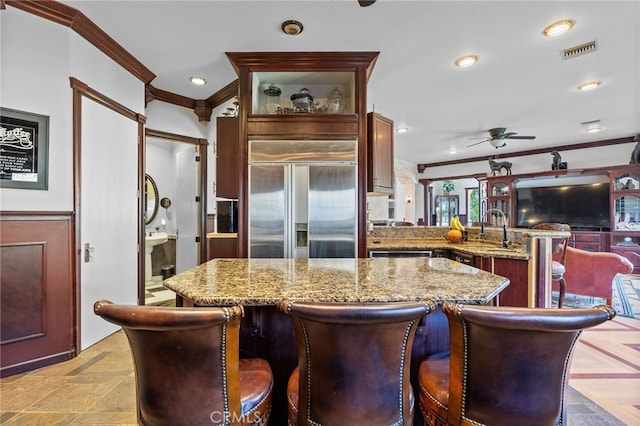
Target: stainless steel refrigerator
[[302, 199]]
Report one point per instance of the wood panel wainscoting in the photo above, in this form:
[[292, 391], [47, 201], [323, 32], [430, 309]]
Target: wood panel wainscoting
[[37, 300]]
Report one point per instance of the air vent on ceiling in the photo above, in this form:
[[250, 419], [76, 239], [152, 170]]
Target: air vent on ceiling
[[576, 51]]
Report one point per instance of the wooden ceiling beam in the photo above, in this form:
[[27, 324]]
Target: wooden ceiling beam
[[422, 167]]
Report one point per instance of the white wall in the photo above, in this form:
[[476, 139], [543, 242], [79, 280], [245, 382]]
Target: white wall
[[182, 121], [160, 165], [37, 58], [34, 77]]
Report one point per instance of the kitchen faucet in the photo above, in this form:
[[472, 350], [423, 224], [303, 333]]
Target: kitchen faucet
[[505, 242]]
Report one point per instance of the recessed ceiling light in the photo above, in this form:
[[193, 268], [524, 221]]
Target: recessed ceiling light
[[590, 85], [292, 27], [197, 80], [558, 28], [593, 129], [466, 61], [402, 129], [452, 151]]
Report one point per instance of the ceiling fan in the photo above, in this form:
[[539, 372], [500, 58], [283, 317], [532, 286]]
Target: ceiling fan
[[499, 137]]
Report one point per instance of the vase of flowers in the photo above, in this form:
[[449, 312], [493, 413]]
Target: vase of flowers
[[447, 187]]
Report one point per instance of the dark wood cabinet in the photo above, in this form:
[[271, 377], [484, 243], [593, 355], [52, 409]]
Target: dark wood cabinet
[[380, 176], [625, 213], [589, 241], [223, 247], [631, 252], [227, 148], [319, 73], [517, 293], [499, 196], [466, 258]]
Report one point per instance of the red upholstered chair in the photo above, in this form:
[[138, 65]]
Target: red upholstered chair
[[353, 363], [507, 366], [187, 366], [591, 273]]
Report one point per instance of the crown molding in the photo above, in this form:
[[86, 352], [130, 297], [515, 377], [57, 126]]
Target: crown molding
[[224, 94]]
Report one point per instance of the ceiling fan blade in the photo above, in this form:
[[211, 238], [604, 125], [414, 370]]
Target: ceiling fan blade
[[365, 3], [508, 135], [520, 137], [478, 143]]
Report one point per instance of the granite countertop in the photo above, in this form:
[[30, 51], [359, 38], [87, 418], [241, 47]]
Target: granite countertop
[[470, 247], [222, 235], [268, 281], [488, 244]]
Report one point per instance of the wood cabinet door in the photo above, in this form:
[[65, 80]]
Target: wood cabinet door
[[227, 148], [380, 176], [222, 248], [516, 294]]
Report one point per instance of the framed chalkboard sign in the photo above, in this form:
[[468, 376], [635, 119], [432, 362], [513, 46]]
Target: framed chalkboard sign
[[24, 149]]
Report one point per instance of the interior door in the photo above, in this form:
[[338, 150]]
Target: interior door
[[108, 216], [187, 210]]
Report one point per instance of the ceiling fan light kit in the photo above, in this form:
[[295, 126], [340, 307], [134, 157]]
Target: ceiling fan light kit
[[498, 142], [498, 138]]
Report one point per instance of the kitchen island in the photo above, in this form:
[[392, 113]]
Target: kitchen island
[[259, 284], [265, 282]]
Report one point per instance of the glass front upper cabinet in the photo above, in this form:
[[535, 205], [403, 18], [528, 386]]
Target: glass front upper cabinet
[[499, 189], [303, 92], [627, 182], [627, 213]]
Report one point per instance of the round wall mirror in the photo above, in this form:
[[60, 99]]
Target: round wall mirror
[[151, 199]]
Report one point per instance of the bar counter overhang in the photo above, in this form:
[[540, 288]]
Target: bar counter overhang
[[260, 284]]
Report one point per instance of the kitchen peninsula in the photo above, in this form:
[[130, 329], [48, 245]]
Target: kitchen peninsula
[[525, 260], [259, 284]]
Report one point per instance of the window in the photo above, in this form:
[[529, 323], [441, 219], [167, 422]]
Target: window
[[473, 204]]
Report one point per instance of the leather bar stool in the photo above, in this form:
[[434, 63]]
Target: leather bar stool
[[507, 366], [353, 363], [558, 263], [187, 366]]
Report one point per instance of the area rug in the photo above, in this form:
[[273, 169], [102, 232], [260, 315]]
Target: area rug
[[619, 300]]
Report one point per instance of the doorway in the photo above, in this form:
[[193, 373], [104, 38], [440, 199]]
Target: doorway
[[107, 142], [177, 165]]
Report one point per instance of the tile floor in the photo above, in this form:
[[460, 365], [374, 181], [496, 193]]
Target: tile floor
[[157, 294]]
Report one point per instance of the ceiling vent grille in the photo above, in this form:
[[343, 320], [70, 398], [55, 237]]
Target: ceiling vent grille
[[583, 49]]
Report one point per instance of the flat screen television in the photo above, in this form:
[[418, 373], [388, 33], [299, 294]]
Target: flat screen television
[[584, 206]]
